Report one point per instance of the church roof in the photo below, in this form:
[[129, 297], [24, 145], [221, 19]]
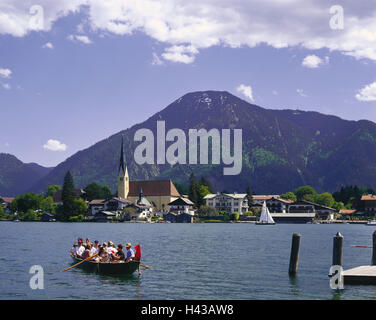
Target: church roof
[[153, 188]]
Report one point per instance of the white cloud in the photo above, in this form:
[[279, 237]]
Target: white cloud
[[5, 73], [182, 54], [80, 38], [206, 23], [313, 61], [368, 93], [246, 91], [301, 93], [156, 60], [55, 145], [6, 86], [48, 45]]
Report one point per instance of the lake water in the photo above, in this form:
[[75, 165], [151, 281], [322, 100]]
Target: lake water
[[189, 261]]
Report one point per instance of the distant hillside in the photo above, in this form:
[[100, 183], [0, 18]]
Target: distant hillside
[[282, 149], [17, 177]]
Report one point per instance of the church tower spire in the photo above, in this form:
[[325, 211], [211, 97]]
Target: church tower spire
[[123, 177]]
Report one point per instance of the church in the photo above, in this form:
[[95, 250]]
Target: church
[[159, 193]]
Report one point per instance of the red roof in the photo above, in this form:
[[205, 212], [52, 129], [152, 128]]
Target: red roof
[[153, 188], [369, 197], [265, 197], [7, 200]]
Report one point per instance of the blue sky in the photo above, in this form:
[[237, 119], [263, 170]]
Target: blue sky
[[92, 70]]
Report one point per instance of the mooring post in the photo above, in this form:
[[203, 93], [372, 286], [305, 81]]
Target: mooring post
[[373, 248], [337, 249], [294, 256]]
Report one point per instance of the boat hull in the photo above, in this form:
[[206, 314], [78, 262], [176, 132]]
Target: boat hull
[[264, 224], [117, 268]]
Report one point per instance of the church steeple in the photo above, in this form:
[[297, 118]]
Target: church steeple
[[122, 162], [123, 177]]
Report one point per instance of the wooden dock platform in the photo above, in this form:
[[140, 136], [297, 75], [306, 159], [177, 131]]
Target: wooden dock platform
[[360, 275]]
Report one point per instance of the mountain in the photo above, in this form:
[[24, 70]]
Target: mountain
[[17, 177], [282, 149]]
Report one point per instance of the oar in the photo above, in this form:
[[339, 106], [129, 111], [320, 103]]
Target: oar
[[80, 262], [361, 246], [145, 266]]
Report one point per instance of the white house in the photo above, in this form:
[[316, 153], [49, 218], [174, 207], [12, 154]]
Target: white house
[[229, 202]]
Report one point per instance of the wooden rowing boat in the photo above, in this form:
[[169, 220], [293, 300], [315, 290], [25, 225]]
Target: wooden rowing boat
[[114, 268]]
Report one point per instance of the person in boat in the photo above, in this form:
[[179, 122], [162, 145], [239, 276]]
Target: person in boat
[[86, 253], [111, 248], [80, 250], [96, 245], [88, 241], [119, 255], [73, 250], [103, 255], [93, 249], [130, 252]]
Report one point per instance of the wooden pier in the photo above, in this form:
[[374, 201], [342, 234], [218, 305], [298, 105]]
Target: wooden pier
[[360, 275], [363, 274]]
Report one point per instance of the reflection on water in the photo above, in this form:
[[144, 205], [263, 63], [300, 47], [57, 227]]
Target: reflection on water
[[294, 285]]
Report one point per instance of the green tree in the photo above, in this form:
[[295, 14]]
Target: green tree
[[106, 192], [207, 211], [203, 191], [3, 215], [51, 190], [206, 183], [68, 196], [95, 191], [29, 215], [235, 216], [325, 199], [27, 201], [249, 196], [194, 192], [289, 196], [79, 207], [48, 205], [305, 193], [182, 189]]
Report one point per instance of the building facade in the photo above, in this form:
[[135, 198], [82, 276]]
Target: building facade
[[228, 202]]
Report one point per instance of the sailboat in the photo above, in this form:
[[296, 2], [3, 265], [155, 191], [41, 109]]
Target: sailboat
[[265, 217]]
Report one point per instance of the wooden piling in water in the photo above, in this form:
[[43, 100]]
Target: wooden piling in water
[[294, 256], [374, 248], [337, 249]]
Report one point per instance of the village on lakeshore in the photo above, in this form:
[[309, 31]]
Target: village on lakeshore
[[157, 201]]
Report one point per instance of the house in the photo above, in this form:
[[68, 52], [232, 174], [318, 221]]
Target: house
[[347, 212], [104, 216], [228, 202], [178, 218], [181, 205], [5, 204], [48, 217], [95, 206], [302, 206], [278, 205], [158, 192], [141, 213], [369, 203], [259, 199], [116, 204], [58, 196]]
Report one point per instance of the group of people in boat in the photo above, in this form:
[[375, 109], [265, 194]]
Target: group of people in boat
[[105, 252]]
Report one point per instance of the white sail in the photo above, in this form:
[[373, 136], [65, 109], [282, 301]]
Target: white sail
[[265, 216]]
